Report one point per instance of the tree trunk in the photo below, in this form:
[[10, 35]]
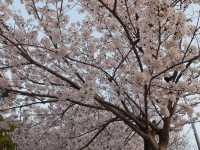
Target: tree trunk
[[163, 145], [147, 145], [150, 143], [163, 141], [164, 135]]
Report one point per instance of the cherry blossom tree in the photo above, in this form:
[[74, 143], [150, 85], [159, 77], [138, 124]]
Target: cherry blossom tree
[[126, 73]]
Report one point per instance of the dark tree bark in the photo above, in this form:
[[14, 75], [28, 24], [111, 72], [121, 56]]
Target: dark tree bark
[[164, 134]]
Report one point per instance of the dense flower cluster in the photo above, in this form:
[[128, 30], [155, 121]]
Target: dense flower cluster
[[125, 73]]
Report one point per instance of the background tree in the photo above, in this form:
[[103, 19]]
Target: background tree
[[126, 68], [6, 127]]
